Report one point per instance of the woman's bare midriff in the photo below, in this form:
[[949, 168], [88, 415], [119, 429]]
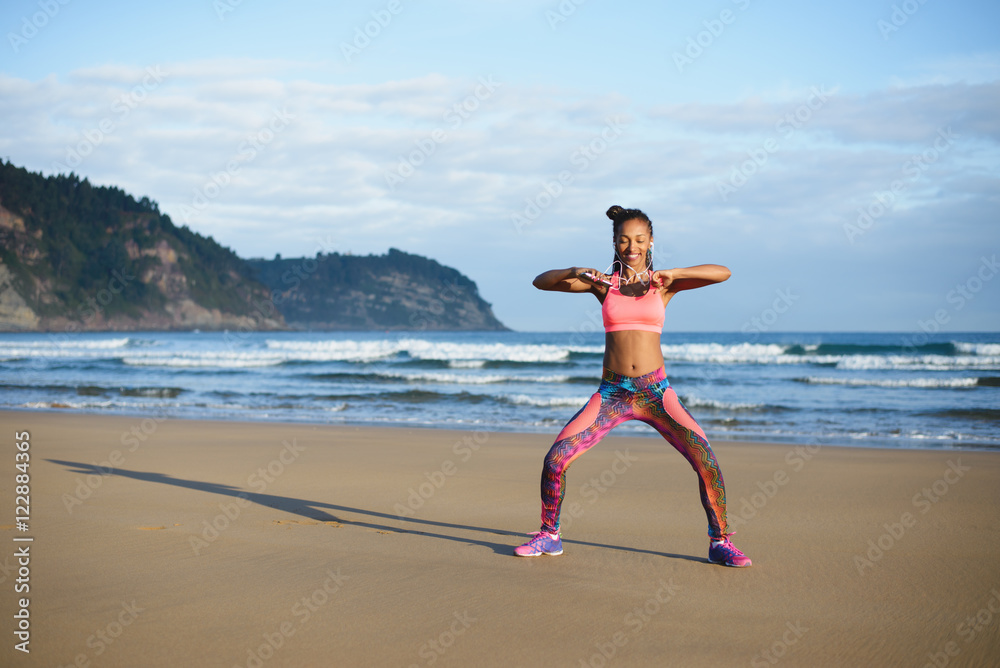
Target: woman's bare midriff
[[632, 352]]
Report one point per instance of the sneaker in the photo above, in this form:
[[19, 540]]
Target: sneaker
[[542, 543], [725, 553]]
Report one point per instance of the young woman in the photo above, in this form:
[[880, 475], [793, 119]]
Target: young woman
[[634, 384]]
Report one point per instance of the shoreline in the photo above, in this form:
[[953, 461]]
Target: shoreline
[[848, 391], [494, 428], [195, 542]]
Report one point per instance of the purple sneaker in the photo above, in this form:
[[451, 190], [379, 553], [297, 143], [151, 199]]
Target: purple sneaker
[[542, 543], [725, 553]]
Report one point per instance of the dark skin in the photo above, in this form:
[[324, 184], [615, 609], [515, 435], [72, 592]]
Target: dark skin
[[632, 352]]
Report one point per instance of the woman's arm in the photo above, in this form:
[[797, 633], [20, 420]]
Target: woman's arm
[[688, 278], [567, 280]]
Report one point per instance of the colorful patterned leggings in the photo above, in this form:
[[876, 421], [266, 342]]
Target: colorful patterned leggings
[[648, 398]]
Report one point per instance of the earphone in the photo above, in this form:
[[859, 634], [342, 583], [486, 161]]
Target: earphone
[[649, 265]]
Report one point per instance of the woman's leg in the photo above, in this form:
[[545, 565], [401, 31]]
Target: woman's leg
[[607, 408], [663, 410]]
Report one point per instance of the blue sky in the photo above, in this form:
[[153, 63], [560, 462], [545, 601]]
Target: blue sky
[[841, 158]]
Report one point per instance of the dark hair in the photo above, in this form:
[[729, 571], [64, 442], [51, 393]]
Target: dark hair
[[618, 216]]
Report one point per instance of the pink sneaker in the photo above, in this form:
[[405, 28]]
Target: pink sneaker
[[542, 543], [725, 553]]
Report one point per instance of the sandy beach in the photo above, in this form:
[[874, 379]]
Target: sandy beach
[[166, 542]]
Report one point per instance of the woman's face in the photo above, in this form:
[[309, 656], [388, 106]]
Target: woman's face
[[632, 242]]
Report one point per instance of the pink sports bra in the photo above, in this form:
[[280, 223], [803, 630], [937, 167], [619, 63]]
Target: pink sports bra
[[621, 312]]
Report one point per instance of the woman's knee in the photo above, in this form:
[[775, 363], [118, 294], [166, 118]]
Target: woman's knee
[[554, 464]]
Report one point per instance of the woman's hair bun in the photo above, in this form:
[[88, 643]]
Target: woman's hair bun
[[619, 215], [616, 212]]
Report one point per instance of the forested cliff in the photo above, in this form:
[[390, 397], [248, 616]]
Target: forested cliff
[[77, 257]]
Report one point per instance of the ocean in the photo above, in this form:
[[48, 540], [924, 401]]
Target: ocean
[[905, 390]]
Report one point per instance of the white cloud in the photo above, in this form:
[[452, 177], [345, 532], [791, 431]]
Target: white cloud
[[976, 68], [322, 174], [895, 115]]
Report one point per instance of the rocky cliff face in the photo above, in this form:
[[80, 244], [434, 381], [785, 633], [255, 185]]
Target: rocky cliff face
[[74, 257], [35, 297], [15, 314]]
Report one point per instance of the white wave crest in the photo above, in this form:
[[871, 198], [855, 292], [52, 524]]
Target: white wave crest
[[62, 348], [67, 342], [466, 364], [594, 350], [918, 362], [67, 404], [472, 379], [500, 352], [549, 402], [216, 359], [741, 353], [421, 349], [905, 382], [989, 349], [700, 402], [334, 351]]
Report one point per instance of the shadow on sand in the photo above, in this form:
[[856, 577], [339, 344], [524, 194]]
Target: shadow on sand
[[321, 512]]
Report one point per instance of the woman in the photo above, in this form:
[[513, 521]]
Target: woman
[[634, 385]]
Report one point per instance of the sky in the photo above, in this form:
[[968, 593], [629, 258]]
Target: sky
[[840, 158]]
